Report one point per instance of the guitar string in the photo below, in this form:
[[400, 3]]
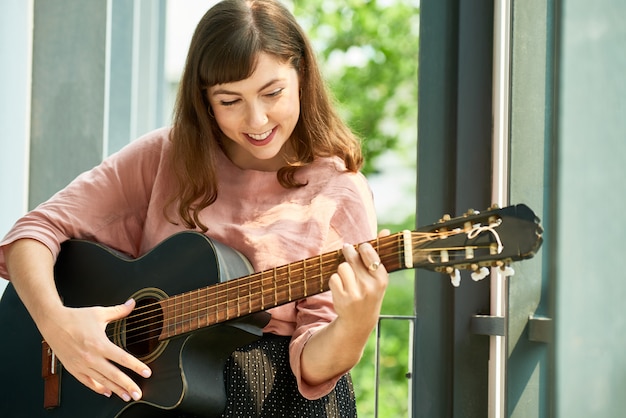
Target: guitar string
[[219, 300], [219, 310], [221, 303]]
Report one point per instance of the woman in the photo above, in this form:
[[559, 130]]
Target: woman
[[257, 159]]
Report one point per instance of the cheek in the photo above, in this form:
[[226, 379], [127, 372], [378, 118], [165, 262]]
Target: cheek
[[225, 121], [291, 108]]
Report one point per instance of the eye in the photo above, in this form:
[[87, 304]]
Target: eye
[[275, 93], [229, 102]]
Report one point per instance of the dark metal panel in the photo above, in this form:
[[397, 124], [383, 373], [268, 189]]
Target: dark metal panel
[[473, 190], [432, 367], [454, 165], [529, 363]]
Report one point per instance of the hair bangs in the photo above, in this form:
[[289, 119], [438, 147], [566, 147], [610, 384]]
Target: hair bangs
[[230, 61]]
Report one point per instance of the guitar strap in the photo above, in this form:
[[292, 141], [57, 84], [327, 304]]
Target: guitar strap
[[51, 373]]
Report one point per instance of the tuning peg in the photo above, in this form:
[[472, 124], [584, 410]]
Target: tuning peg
[[455, 277], [480, 274], [507, 271]]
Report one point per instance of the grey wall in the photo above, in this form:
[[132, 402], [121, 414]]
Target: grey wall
[[591, 197]]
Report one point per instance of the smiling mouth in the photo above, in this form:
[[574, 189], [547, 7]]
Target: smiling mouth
[[260, 137]]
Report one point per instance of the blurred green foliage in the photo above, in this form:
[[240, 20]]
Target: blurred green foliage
[[368, 51]]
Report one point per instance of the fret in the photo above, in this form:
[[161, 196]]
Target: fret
[[289, 281], [172, 313], [194, 310], [249, 296], [180, 316], [321, 273], [205, 308], [238, 300], [188, 316], [193, 313], [255, 287], [304, 279], [223, 302], [282, 285], [275, 290], [177, 312], [262, 294], [216, 303], [227, 300], [167, 310]]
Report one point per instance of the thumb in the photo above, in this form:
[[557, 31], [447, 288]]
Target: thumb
[[122, 310]]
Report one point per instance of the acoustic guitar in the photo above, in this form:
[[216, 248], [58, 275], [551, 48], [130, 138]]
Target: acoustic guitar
[[198, 300]]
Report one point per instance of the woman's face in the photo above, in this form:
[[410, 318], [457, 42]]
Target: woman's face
[[258, 114]]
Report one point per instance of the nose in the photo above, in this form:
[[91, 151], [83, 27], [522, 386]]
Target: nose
[[256, 115]]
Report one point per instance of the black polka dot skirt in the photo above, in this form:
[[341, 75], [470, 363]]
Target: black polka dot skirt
[[260, 384]]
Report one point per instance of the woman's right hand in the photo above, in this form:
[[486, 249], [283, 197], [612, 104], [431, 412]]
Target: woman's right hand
[[76, 335], [78, 338]]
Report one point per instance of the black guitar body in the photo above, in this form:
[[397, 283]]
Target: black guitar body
[[187, 371]]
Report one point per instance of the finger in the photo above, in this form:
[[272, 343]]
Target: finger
[[350, 253], [120, 356], [102, 375], [120, 311], [336, 284], [127, 360], [369, 257], [383, 233], [112, 380], [94, 385]]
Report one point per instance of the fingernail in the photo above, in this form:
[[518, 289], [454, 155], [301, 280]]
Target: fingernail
[[125, 397], [136, 396], [146, 373], [129, 302], [107, 394]]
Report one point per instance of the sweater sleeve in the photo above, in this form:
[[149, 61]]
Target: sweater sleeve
[[353, 222], [106, 204]]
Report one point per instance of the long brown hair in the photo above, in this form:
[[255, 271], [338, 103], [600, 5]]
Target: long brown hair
[[224, 49]]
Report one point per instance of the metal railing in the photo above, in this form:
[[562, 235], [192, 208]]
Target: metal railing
[[411, 321]]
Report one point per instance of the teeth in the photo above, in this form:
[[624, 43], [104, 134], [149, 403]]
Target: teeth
[[260, 137]]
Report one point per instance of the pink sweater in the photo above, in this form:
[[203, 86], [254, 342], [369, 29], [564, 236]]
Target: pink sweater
[[120, 204]]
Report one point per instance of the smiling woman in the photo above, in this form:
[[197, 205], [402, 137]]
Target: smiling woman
[[257, 159], [258, 114]]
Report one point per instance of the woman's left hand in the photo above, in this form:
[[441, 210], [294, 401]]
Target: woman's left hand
[[358, 288]]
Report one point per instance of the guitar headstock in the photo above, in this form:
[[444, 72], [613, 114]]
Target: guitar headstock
[[478, 240]]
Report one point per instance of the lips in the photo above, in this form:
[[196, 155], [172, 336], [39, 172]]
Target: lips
[[262, 138]]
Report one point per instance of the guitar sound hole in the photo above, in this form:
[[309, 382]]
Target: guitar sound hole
[[143, 327]]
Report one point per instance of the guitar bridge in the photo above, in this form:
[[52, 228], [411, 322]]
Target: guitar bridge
[[51, 374]]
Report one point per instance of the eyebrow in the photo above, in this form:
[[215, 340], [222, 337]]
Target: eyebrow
[[266, 85]]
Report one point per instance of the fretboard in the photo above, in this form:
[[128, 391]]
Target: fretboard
[[260, 291]]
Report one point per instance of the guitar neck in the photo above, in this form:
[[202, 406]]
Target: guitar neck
[[474, 241], [257, 292]]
